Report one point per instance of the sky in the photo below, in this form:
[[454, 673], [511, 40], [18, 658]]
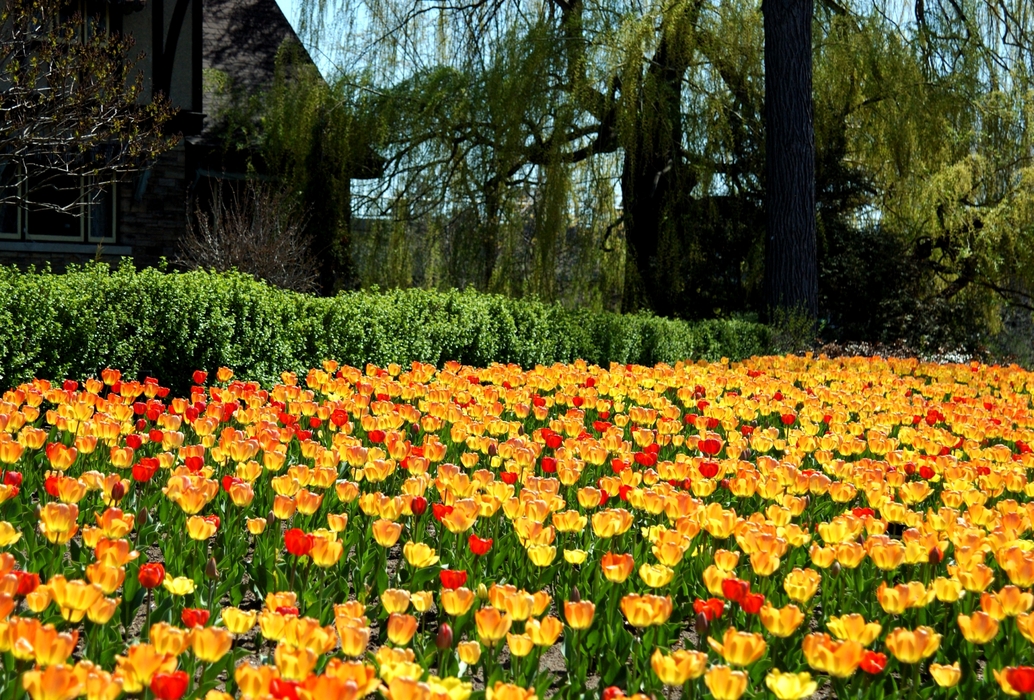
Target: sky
[[290, 9]]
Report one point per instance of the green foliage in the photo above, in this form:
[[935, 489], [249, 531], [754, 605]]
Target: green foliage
[[166, 325], [637, 131]]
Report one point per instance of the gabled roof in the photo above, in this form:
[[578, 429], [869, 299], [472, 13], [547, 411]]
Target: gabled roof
[[241, 42]]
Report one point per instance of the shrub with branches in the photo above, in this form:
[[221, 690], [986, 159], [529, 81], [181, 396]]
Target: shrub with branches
[[257, 229]]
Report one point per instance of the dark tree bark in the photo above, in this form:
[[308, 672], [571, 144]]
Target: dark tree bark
[[791, 258], [652, 181]]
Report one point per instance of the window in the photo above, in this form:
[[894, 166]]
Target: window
[[96, 20], [67, 209], [10, 212]]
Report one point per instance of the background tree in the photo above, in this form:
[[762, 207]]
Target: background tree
[[791, 255], [69, 106], [518, 135]]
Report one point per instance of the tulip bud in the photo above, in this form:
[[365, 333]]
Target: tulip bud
[[834, 570], [482, 592], [936, 556], [270, 519], [419, 505], [746, 454], [576, 595], [444, 638], [211, 570], [492, 450], [36, 513], [141, 517], [415, 429], [702, 625], [520, 430], [118, 491]]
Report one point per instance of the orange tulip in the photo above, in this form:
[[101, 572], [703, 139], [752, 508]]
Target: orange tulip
[[912, 646]]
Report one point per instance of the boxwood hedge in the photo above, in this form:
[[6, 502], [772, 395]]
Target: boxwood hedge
[[166, 324]]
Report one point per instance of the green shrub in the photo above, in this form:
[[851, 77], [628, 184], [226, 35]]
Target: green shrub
[[167, 324]]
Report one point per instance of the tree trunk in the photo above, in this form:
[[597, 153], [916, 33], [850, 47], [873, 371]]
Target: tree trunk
[[791, 258], [653, 175]]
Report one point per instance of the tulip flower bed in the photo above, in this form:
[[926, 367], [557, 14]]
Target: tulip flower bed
[[780, 527]]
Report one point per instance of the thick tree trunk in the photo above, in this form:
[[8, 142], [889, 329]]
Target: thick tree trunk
[[652, 176], [791, 258]]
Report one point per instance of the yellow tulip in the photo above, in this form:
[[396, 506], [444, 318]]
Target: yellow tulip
[[781, 622], [854, 626], [978, 628], [946, 676], [680, 666], [739, 648], [210, 644], [724, 683], [492, 624], [790, 686], [912, 646], [179, 586]]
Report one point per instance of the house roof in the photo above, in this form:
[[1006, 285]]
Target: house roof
[[241, 42]]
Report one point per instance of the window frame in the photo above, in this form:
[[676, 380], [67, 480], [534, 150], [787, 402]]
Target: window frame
[[81, 210]]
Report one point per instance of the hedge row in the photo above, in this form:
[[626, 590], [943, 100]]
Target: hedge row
[[167, 324]]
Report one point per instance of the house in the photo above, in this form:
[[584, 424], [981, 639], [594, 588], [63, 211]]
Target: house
[[145, 216]]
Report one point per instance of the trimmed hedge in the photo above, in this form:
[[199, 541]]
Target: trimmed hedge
[[168, 324]]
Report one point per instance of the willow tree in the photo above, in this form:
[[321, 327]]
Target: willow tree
[[507, 124]]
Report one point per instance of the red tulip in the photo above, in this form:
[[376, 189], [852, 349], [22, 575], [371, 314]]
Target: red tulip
[[118, 491], [712, 608], [708, 470], [376, 436], [873, 662], [170, 686], [194, 617], [710, 446], [735, 590], [151, 575], [13, 478], [440, 510], [752, 603], [287, 610], [548, 465], [1021, 678], [282, 689], [479, 546], [298, 542], [508, 477], [143, 470], [27, 582], [452, 579], [200, 377], [443, 640], [419, 505]]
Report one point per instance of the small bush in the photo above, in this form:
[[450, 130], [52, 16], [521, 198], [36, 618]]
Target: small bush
[[168, 324]]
